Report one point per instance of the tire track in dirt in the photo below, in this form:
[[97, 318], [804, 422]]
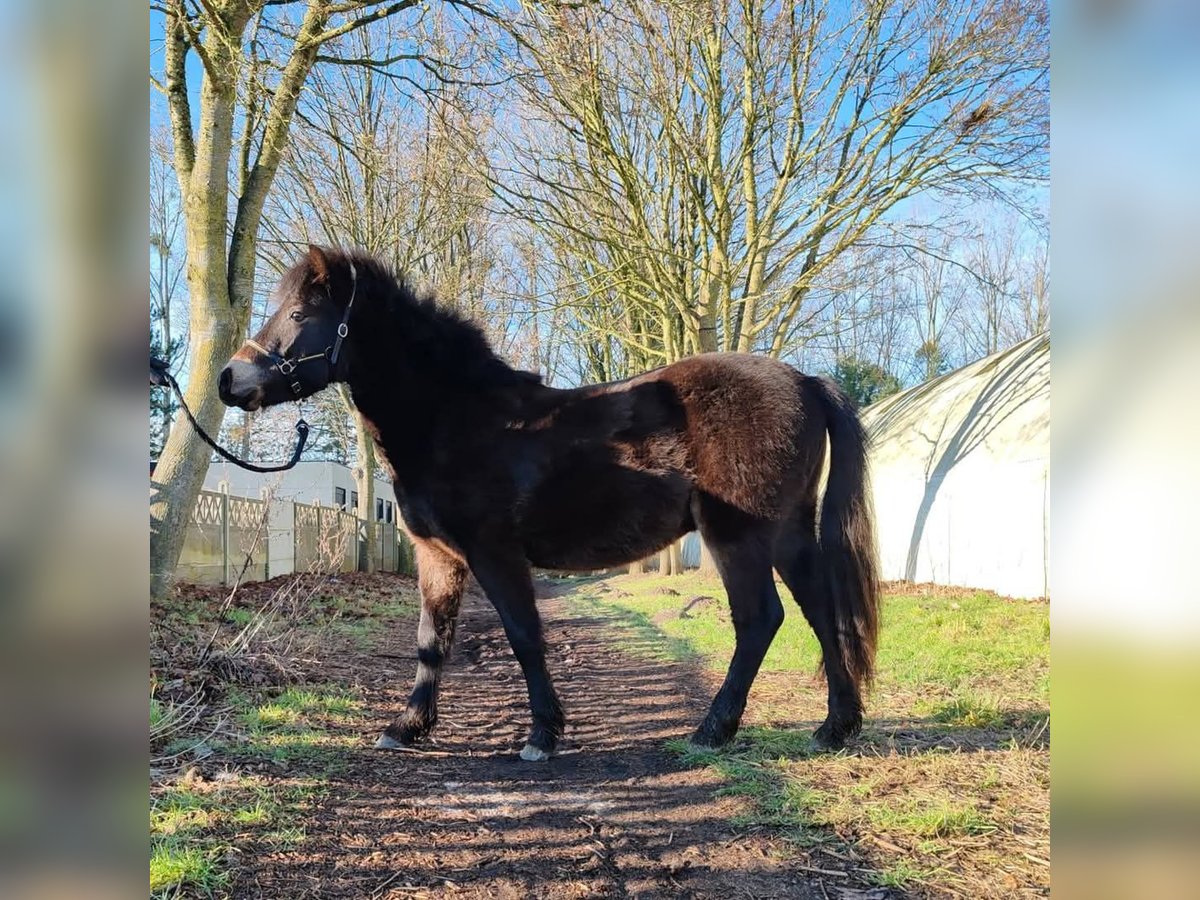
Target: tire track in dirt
[[613, 816]]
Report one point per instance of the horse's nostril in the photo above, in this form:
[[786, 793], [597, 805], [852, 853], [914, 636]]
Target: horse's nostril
[[224, 382]]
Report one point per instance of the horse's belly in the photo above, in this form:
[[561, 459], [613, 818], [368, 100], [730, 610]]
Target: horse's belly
[[609, 518]]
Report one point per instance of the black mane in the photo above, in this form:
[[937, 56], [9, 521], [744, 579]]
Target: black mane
[[394, 321]]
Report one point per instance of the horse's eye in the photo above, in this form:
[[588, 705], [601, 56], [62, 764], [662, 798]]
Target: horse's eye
[[296, 315]]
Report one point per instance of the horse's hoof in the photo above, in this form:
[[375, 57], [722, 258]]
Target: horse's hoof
[[531, 753], [831, 738], [826, 744], [387, 742], [709, 737], [699, 744]]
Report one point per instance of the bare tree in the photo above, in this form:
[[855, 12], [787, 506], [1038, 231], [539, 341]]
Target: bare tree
[[701, 168], [995, 264], [256, 57], [168, 333], [939, 289], [388, 163], [1032, 312]]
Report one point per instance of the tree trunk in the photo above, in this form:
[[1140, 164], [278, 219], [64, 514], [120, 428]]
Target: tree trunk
[[220, 268], [165, 300], [179, 474], [216, 327], [708, 566], [638, 567], [670, 560], [364, 477], [245, 435]]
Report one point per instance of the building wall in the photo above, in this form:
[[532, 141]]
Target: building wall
[[307, 482], [960, 475]]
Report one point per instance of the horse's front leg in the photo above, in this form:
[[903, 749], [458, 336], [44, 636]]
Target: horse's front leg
[[506, 580], [442, 578]]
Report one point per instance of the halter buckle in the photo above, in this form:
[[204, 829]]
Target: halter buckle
[[287, 366]]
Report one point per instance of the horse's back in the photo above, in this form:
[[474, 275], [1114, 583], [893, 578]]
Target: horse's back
[[624, 463]]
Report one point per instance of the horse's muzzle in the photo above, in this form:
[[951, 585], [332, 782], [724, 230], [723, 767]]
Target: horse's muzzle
[[239, 384]]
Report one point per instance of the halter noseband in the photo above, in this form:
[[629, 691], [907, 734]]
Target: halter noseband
[[287, 365]]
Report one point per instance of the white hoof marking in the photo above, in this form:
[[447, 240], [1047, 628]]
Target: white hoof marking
[[388, 743], [531, 753]]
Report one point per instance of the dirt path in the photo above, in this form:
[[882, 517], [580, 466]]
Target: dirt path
[[613, 816]]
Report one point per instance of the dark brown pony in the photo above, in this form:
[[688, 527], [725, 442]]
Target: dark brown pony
[[495, 472]]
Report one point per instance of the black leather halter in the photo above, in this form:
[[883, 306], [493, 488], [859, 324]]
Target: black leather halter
[[287, 364], [160, 375]]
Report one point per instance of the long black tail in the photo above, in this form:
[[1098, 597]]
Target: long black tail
[[847, 535]]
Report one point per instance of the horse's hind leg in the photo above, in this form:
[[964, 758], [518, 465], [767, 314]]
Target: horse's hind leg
[[742, 552], [442, 578], [798, 560]]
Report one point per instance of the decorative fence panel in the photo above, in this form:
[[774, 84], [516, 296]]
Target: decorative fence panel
[[392, 551], [247, 556], [224, 535], [227, 540], [326, 539], [202, 560]]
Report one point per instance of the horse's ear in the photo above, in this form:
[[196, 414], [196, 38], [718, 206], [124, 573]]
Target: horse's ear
[[319, 263]]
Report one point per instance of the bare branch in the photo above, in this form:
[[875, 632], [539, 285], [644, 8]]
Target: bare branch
[[178, 104], [326, 36]]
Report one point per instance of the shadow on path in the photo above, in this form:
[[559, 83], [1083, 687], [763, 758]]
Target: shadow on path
[[616, 815]]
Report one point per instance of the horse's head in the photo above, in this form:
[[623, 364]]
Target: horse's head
[[298, 351]]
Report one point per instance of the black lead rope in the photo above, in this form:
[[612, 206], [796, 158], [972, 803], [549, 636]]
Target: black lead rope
[[161, 376]]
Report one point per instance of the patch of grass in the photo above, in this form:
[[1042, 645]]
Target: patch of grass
[[775, 743], [690, 754], [365, 619], [192, 823], [901, 875], [181, 811], [173, 867], [295, 726], [191, 827], [940, 642], [640, 635], [361, 631], [951, 641], [238, 616], [258, 814], [753, 744], [157, 714], [969, 712], [929, 818], [196, 819], [292, 836], [953, 762], [311, 749], [779, 772], [181, 746], [912, 804], [295, 705]]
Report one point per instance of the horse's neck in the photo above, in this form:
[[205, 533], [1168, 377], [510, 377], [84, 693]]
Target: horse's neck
[[401, 409], [399, 427], [401, 396]]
